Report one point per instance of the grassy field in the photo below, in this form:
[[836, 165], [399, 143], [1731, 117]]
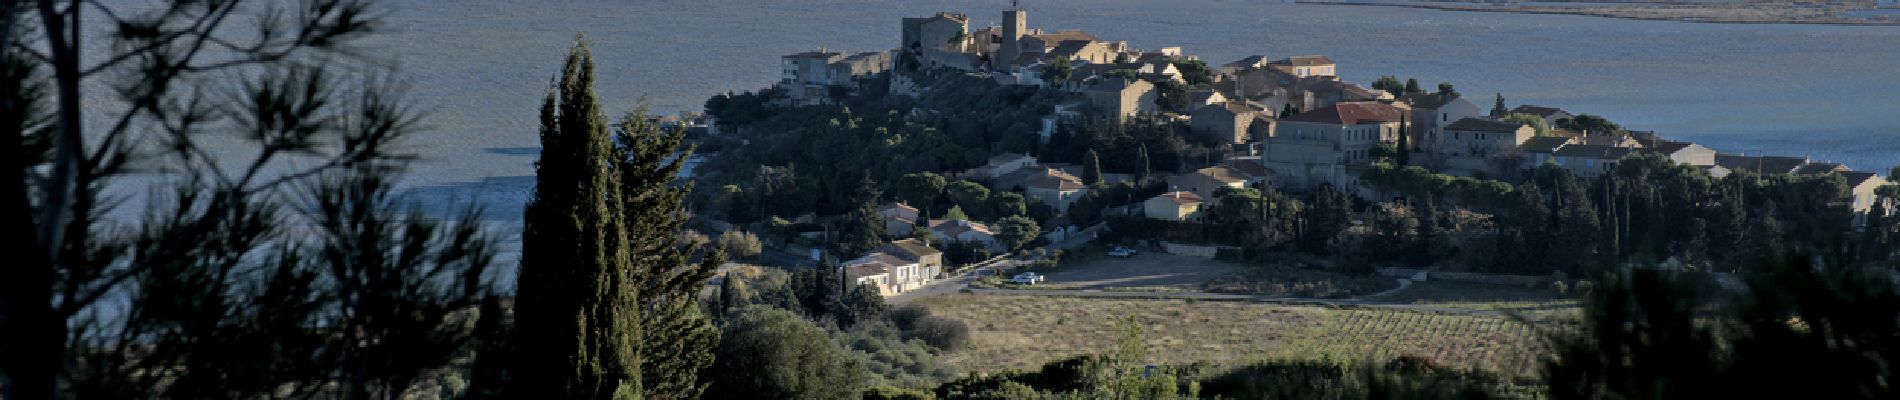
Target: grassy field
[[1025, 332]]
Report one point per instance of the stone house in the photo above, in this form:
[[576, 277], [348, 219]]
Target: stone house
[[892, 271], [869, 272], [1122, 97], [1172, 206], [1203, 97], [1685, 153], [897, 267], [1589, 160], [1053, 187], [899, 219], [1318, 146], [1224, 123], [1432, 112], [1481, 138], [808, 77], [1761, 164], [1205, 182], [1542, 149], [1248, 63], [1862, 185], [1002, 164], [1305, 66], [953, 230], [1549, 114], [934, 40]]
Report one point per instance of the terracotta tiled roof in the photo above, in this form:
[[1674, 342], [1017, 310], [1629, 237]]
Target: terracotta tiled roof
[[1349, 113], [1600, 152]]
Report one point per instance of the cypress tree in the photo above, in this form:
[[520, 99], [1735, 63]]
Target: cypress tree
[[1142, 168], [576, 308], [1091, 169], [862, 229], [676, 336], [1497, 110]]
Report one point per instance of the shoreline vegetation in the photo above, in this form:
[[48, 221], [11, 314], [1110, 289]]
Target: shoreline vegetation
[[1712, 13]]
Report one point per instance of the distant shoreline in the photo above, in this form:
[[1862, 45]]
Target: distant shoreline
[[1635, 12]]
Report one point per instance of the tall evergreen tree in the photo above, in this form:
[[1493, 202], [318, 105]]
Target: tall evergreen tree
[[577, 316], [1498, 110], [1142, 166], [676, 336], [1411, 87], [1091, 169], [862, 229], [604, 277]]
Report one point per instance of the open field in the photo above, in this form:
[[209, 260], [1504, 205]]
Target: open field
[[1024, 332]]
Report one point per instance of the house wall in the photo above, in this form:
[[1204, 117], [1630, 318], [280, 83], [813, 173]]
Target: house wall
[[1482, 144], [1060, 200], [1134, 99], [1165, 209], [1221, 124], [1695, 155], [1864, 197], [1202, 185], [847, 70], [1352, 144], [1317, 70], [1585, 166]]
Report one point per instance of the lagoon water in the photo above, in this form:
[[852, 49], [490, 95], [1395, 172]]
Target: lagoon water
[[1829, 92]]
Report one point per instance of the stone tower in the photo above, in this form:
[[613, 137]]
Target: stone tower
[[1015, 20]]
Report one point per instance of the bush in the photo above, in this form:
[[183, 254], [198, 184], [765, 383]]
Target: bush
[[905, 318], [897, 393], [772, 353], [942, 333]]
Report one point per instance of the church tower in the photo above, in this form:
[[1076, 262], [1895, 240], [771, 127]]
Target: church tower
[[1015, 21]]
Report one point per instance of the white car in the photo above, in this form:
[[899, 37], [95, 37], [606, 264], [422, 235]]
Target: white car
[[1027, 278], [1122, 252]]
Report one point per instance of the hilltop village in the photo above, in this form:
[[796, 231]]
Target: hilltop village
[[1080, 138]]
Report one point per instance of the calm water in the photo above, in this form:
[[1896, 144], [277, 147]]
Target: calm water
[[482, 65], [1825, 91]]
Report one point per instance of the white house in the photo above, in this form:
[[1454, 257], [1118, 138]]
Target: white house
[[1172, 206]]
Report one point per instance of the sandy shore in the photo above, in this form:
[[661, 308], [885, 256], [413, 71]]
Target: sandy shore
[[1747, 13]]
